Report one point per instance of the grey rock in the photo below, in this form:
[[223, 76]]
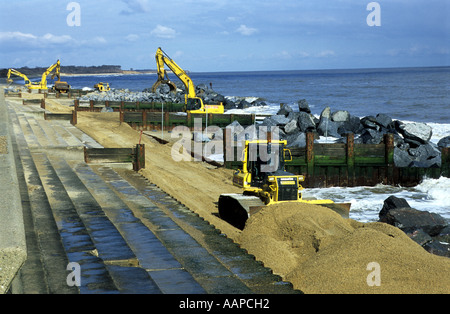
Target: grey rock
[[340, 116], [444, 142], [291, 127], [371, 136], [303, 106], [285, 110], [415, 131], [305, 122], [296, 140], [383, 120]]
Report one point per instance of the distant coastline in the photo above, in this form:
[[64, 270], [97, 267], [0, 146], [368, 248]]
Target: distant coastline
[[80, 71], [124, 72]]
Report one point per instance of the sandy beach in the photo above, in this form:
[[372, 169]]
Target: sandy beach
[[310, 246]]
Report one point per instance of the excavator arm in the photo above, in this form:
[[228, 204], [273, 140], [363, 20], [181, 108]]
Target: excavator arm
[[193, 103], [17, 73], [163, 59]]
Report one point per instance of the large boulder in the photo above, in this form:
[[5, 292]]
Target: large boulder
[[285, 110], [416, 132], [305, 122], [303, 106], [383, 120], [340, 116], [397, 212], [291, 127], [326, 126], [296, 140], [371, 136], [444, 142], [352, 125]]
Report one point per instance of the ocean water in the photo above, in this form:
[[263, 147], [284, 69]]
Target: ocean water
[[406, 94]]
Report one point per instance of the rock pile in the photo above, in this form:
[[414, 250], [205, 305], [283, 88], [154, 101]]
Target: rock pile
[[412, 140], [163, 94], [430, 230]]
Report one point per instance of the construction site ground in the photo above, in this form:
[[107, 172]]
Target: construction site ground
[[152, 231], [158, 230]]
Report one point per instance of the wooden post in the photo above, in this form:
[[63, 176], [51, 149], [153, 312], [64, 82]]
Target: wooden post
[[76, 104], [43, 103], [351, 158], [310, 158], [445, 164], [91, 105], [389, 157], [144, 120], [121, 116], [74, 120], [189, 120], [166, 120], [140, 157]]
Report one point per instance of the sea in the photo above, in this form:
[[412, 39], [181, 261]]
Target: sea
[[407, 94]]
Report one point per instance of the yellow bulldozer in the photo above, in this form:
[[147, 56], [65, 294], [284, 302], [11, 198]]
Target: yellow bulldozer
[[102, 87], [265, 182]]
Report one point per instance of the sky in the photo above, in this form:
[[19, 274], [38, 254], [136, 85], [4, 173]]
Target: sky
[[226, 35]]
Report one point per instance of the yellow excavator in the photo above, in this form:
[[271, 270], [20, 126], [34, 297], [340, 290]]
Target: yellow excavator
[[265, 182], [59, 86], [17, 73], [193, 103], [102, 87]]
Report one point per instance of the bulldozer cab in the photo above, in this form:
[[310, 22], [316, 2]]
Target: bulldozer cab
[[264, 159]]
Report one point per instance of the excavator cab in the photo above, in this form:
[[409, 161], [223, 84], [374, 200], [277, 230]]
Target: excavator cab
[[193, 104]]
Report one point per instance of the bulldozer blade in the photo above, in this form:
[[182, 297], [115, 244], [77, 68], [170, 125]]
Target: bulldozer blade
[[342, 209], [237, 208]]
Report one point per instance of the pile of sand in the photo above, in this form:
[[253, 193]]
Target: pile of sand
[[321, 252]]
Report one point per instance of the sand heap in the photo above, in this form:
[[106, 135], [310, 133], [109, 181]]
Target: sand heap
[[320, 252]]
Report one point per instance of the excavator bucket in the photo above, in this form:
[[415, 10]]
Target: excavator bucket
[[172, 86]]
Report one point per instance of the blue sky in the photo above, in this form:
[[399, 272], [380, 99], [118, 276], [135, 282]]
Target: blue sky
[[226, 35]]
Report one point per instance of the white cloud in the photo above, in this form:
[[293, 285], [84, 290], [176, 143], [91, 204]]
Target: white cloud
[[136, 6], [163, 32], [326, 53], [132, 37], [54, 39], [34, 40], [245, 30], [6, 36]]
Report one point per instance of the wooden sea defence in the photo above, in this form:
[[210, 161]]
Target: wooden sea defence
[[134, 155], [349, 164], [122, 106], [147, 120]]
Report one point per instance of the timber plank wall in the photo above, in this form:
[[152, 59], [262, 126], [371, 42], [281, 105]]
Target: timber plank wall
[[350, 164], [323, 165]]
